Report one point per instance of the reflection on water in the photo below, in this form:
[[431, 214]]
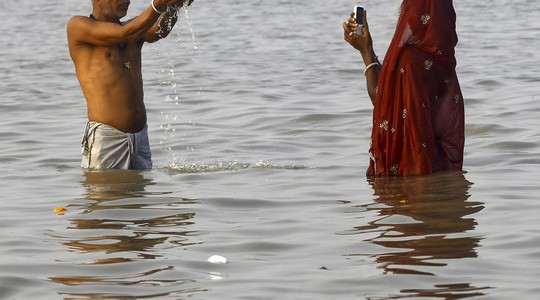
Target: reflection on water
[[422, 224], [419, 218], [119, 227], [115, 184]]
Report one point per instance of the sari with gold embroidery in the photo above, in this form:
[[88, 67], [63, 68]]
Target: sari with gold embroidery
[[418, 119]]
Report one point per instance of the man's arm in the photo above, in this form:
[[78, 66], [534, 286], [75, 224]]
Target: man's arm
[[162, 27], [86, 30], [165, 24]]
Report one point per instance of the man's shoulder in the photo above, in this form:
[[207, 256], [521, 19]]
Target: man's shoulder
[[77, 21], [77, 28]]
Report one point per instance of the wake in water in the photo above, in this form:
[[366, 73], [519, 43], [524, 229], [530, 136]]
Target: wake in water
[[229, 166]]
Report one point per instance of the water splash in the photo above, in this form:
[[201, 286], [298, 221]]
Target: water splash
[[219, 166], [186, 15], [169, 71]]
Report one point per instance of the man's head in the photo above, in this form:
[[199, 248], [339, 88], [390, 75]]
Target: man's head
[[111, 9]]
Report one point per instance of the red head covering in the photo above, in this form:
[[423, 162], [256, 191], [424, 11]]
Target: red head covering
[[419, 117], [429, 25]]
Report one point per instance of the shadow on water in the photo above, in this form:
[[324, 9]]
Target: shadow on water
[[423, 223], [126, 242]]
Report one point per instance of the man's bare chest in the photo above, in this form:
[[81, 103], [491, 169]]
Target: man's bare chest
[[126, 56]]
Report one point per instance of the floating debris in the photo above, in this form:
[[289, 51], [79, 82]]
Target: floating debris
[[217, 259], [59, 209]]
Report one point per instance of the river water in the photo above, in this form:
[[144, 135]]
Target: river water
[[260, 124]]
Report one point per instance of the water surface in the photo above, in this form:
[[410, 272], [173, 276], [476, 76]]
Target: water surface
[[260, 134]]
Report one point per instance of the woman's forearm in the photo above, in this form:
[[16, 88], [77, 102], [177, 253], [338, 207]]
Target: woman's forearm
[[371, 72]]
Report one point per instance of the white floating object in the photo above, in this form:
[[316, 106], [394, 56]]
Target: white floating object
[[217, 259]]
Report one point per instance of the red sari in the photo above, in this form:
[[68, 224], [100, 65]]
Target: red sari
[[418, 119]]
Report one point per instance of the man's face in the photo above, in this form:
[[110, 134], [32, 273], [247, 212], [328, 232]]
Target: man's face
[[122, 6], [114, 8]]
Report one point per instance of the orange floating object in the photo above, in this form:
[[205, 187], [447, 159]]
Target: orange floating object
[[60, 209]]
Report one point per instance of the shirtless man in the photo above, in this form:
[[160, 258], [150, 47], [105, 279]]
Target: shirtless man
[[107, 57]]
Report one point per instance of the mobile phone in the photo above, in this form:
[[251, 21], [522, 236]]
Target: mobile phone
[[359, 14]]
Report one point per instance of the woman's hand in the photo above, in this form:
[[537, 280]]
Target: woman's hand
[[361, 42]]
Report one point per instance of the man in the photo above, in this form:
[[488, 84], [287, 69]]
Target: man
[[107, 57]]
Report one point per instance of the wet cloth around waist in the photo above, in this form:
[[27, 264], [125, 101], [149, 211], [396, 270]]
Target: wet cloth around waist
[[105, 147]]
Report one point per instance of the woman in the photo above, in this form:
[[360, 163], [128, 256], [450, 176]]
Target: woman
[[418, 118]]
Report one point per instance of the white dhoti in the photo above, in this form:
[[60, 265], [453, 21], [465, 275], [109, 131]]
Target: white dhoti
[[105, 147]]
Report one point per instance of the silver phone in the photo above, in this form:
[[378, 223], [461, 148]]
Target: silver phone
[[359, 15]]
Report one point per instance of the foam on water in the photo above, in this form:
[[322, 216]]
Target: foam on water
[[201, 167]]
